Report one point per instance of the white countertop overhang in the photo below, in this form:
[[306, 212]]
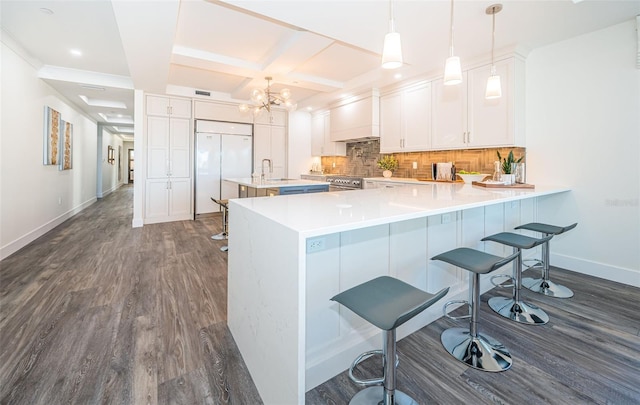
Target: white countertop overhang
[[326, 213]]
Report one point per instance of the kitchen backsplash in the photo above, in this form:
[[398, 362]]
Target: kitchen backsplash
[[362, 157]]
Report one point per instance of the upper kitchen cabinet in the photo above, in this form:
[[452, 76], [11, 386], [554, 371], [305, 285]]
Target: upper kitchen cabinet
[[321, 144], [464, 118], [269, 142], [168, 107], [217, 111], [357, 117], [275, 117], [405, 119]]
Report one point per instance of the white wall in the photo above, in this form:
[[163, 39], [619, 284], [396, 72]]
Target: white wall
[[299, 146], [110, 171], [583, 130], [34, 198]]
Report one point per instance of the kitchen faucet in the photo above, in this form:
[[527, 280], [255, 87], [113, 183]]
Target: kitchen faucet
[[270, 168]]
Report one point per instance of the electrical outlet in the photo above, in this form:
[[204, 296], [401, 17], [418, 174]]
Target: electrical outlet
[[315, 245], [446, 218], [59, 200], [415, 165]]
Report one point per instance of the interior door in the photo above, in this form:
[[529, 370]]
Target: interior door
[[207, 172]]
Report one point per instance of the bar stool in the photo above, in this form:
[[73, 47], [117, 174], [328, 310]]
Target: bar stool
[[477, 350], [514, 308], [543, 285], [224, 204], [386, 303]]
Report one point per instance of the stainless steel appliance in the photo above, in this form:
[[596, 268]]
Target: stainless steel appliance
[[344, 183]]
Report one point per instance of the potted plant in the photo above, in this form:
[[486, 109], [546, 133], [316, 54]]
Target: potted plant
[[388, 164], [508, 167]]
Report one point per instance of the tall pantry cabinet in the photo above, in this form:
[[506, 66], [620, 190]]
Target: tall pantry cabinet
[[169, 146]]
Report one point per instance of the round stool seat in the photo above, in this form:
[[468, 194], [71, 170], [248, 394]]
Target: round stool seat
[[477, 350], [514, 308]]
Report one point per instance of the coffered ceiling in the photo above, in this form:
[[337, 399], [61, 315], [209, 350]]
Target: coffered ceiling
[[320, 49]]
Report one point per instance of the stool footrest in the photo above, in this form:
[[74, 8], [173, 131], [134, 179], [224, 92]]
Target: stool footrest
[[362, 357], [456, 318], [535, 263], [495, 284]]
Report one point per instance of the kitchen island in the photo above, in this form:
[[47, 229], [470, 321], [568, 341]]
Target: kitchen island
[[272, 187], [288, 256]]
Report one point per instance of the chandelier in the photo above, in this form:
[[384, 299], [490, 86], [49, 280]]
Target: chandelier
[[266, 98]]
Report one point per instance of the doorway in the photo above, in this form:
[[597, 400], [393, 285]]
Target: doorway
[[130, 166]]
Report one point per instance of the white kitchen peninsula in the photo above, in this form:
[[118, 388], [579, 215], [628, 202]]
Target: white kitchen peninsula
[[288, 256]]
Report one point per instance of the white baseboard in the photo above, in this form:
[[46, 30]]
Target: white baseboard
[[601, 270], [137, 223], [12, 247]]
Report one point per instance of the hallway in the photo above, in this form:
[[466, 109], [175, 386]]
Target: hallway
[[98, 312]]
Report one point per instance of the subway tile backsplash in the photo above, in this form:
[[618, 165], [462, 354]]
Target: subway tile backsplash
[[362, 157]]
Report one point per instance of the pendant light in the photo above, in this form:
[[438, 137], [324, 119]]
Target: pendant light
[[452, 69], [392, 48], [494, 89]]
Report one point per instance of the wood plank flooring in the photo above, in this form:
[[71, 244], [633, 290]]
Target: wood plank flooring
[[95, 312]]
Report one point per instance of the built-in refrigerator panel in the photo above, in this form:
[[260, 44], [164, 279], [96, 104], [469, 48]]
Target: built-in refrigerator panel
[[236, 162], [223, 150]]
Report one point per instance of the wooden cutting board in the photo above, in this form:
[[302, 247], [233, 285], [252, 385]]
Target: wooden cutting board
[[516, 185]]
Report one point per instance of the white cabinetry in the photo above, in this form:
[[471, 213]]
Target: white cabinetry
[[169, 147], [321, 144], [357, 117], [269, 142], [463, 118], [168, 107], [405, 119]]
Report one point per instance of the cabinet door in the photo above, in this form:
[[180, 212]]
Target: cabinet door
[[277, 118], [317, 134], [449, 118], [180, 108], [157, 105], [416, 110], [157, 201], [180, 148], [157, 147], [330, 148], [180, 197], [279, 152], [491, 121], [391, 123], [261, 146]]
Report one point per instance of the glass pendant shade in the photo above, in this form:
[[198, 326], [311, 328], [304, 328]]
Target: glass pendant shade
[[243, 108], [392, 51], [494, 89], [257, 95], [285, 94], [452, 71]]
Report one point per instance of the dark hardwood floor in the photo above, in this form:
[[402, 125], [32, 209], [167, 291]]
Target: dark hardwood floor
[[97, 312]]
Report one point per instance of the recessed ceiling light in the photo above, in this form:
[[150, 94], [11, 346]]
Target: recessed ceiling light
[[45, 10], [398, 75], [309, 108], [75, 52]]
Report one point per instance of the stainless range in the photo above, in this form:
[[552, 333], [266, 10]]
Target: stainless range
[[343, 183]]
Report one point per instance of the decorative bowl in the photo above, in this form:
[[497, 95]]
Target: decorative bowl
[[470, 178]]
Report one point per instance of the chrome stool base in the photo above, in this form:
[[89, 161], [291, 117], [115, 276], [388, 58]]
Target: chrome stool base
[[220, 236], [375, 395], [518, 311], [482, 352], [547, 287], [224, 249]]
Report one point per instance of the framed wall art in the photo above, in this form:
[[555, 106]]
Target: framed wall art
[[66, 146], [110, 154], [52, 123]]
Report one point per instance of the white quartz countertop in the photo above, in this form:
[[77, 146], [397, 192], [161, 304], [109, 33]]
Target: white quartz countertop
[[276, 183], [325, 213]]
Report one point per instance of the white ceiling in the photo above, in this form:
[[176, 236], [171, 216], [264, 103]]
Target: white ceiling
[[320, 49]]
